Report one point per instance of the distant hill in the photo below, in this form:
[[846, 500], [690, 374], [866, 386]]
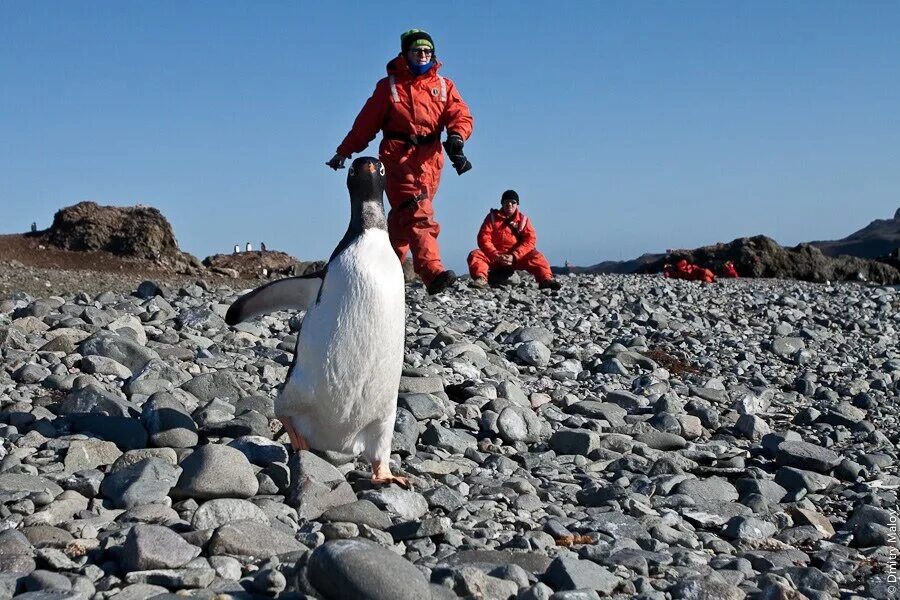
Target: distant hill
[[878, 238], [620, 267]]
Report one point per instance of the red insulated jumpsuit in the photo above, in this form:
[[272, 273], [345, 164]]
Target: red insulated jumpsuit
[[514, 235], [412, 111], [729, 270], [685, 270]]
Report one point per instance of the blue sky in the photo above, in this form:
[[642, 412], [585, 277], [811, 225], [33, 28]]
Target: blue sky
[[625, 127]]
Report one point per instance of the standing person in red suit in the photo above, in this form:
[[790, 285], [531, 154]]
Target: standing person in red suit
[[506, 241], [412, 106]]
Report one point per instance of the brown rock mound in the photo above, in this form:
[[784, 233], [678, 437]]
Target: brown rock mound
[[255, 264], [133, 231]]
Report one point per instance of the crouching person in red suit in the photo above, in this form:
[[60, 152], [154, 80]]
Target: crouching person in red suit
[[506, 241]]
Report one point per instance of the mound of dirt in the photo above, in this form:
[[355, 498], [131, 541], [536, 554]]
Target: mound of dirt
[[256, 264], [134, 231], [760, 256]]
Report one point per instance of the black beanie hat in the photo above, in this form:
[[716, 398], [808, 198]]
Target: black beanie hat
[[409, 38], [510, 195]]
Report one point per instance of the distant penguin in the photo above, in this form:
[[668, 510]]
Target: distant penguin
[[341, 390], [237, 249], [262, 246], [33, 227], [249, 247]]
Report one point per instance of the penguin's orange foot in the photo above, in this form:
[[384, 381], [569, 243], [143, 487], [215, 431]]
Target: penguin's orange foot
[[298, 442], [381, 475]]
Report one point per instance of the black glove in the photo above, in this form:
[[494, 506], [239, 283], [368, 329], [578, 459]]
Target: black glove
[[454, 147], [454, 144], [336, 162]]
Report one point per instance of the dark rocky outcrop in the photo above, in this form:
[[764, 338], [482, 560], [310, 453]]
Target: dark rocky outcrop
[[870, 254], [760, 256]]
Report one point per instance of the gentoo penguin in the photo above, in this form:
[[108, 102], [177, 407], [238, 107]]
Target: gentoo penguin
[[341, 390], [249, 247]]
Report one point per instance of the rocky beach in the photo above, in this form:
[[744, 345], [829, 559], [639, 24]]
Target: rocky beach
[[629, 437]]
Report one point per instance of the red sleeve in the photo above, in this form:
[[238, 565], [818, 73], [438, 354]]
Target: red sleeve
[[368, 121], [527, 240], [457, 117], [484, 239]]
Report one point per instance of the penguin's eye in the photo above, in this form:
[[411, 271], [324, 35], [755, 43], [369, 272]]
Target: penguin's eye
[[351, 172], [381, 169]]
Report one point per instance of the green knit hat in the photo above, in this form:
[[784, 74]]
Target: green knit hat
[[415, 38]]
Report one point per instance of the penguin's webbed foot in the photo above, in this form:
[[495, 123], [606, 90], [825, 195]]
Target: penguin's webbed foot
[[381, 475], [298, 442]]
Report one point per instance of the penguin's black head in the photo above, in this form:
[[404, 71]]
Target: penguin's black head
[[365, 179]]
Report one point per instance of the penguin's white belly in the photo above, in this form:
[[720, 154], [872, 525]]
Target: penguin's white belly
[[342, 391]]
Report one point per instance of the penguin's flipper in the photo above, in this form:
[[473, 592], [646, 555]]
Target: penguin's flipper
[[291, 293]]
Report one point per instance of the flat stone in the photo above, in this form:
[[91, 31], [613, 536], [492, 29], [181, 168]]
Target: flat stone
[[421, 385], [223, 385], [519, 424], [628, 401], [661, 440], [422, 406], [574, 574], [448, 439], [145, 482], [16, 553], [358, 568], [140, 591], [813, 518], [786, 347], [32, 484], [259, 450], [804, 455], [794, 480], [749, 528], [575, 441], [216, 471], [404, 503], [252, 539], [532, 562], [428, 527], [89, 454], [168, 423], [149, 547], [712, 488], [222, 511], [534, 353], [198, 578], [361, 512], [706, 589], [609, 412], [119, 348]]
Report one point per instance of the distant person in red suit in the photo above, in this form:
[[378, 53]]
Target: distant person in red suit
[[412, 106], [506, 241], [729, 271], [685, 270]]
